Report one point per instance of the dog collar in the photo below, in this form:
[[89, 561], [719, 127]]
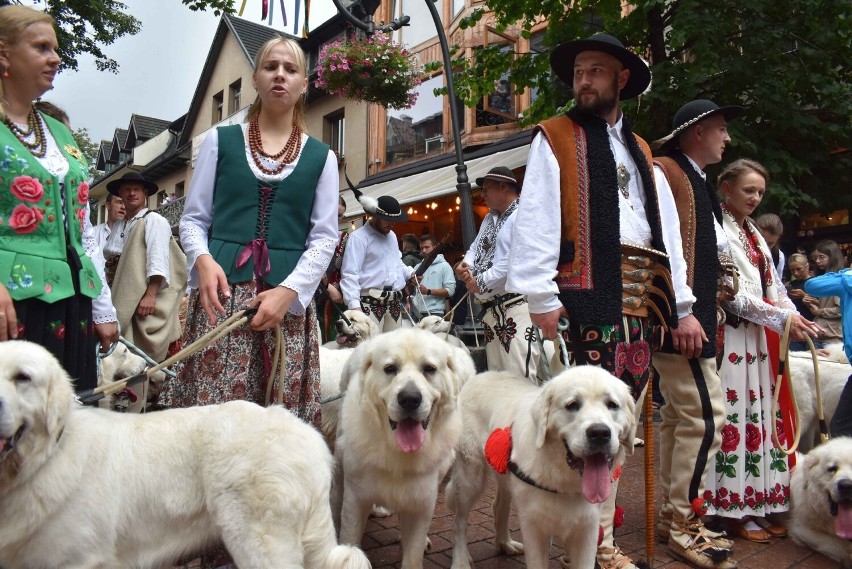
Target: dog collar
[[498, 449], [524, 477]]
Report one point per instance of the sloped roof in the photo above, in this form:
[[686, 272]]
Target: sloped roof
[[251, 36], [147, 127], [119, 143], [103, 154]]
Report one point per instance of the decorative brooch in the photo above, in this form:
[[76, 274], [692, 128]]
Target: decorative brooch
[[74, 151]]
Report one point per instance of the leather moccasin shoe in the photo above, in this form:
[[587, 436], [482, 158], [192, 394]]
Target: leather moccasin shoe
[[737, 528], [770, 528]]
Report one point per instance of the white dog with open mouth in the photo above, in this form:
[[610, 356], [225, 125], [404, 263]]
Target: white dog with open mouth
[[353, 328], [398, 427], [556, 457], [90, 488], [821, 492]]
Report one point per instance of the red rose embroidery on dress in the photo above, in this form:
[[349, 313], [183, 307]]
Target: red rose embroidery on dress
[[27, 189], [83, 193], [25, 219], [730, 438], [753, 438]]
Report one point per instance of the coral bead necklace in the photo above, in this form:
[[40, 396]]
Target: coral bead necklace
[[287, 154]]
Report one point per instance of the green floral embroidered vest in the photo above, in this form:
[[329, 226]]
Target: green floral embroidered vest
[[248, 210], [33, 240]]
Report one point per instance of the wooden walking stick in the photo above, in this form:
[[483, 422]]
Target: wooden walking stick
[[649, 470]]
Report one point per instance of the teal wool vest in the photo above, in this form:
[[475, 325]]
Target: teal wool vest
[[253, 218], [34, 243]]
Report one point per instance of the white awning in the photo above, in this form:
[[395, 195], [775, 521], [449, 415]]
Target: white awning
[[438, 182]]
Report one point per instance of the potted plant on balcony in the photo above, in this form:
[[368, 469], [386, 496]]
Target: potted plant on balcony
[[369, 68]]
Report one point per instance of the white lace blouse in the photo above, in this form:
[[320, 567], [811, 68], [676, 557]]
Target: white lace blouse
[[322, 235]]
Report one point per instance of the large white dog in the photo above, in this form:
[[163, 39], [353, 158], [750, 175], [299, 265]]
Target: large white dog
[[91, 489], [565, 439], [821, 491], [398, 427]]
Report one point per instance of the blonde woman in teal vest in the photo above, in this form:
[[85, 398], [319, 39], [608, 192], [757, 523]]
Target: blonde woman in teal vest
[[52, 289], [259, 229]]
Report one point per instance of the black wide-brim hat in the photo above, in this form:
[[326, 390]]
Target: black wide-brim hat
[[134, 177], [388, 209], [499, 174], [562, 61], [693, 113]]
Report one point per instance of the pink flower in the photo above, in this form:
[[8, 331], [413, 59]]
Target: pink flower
[[25, 219], [27, 189], [83, 193]]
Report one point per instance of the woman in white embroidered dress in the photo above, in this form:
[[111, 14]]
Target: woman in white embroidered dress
[[270, 152], [751, 477]]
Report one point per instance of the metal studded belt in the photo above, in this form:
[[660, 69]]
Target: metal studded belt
[[640, 268]]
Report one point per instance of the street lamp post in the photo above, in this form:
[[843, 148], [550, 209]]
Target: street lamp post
[[366, 9]]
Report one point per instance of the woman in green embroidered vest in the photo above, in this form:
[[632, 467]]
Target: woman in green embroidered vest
[[52, 290], [259, 229]]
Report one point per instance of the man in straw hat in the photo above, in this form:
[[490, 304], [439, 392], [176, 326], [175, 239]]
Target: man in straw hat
[[149, 274], [373, 275], [693, 416], [506, 320], [590, 218]]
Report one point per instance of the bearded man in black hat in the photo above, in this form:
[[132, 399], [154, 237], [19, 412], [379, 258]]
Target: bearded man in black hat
[[146, 277], [693, 416], [588, 243], [373, 275], [506, 320]]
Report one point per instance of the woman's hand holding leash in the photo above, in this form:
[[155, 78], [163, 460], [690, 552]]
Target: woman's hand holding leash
[[211, 281], [802, 327], [271, 306]]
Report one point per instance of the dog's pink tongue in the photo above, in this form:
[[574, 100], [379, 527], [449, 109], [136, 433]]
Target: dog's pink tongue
[[843, 521], [596, 481], [342, 339], [410, 435]]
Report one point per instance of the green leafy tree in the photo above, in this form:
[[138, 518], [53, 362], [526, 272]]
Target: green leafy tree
[[85, 26], [786, 60]]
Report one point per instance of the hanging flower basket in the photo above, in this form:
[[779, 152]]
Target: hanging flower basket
[[373, 69]]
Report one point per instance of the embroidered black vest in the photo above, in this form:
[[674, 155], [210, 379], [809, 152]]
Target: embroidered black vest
[[704, 270]]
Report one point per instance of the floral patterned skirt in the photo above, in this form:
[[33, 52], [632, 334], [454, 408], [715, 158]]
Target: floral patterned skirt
[[236, 367], [65, 328], [751, 476]]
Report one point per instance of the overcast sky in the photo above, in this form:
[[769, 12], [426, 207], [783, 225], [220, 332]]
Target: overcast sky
[[159, 67]]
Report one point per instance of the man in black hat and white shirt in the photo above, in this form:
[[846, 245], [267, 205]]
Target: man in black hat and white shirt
[[139, 270], [588, 198], [506, 321], [373, 275], [694, 414]]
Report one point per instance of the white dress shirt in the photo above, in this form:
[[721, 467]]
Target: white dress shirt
[[322, 235], [157, 236], [371, 260], [538, 229], [102, 231]]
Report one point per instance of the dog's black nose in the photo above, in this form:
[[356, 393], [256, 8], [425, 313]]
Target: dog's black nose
[[844, 489], [598, 434], [409, 399]]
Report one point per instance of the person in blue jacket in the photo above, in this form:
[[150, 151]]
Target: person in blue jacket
[[839, 284]]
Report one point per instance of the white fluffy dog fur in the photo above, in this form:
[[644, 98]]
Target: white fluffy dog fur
[[567, 436], [89, 488], [821, 491], [834, 370], [121, 364], [333, 356], [443, 328], [398, 427], [360, 328]]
